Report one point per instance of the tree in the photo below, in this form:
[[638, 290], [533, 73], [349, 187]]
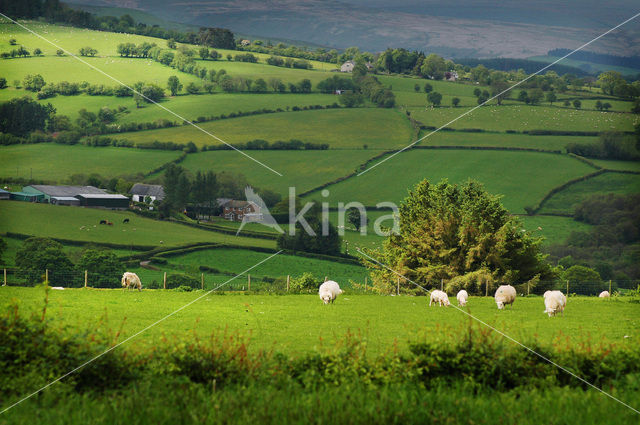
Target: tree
[[3, 248], [579, 273], [606, 106], [455, 102], [22, 115], [433, 67], [477, 92], [351, 99], [523, 96], [88, 51], [152, 92], [448, 230], [416, 88], [37, 52], [36, 255], [3, 83], [608, 80], [203, 52], [499, 90], [428, 88], [567, 103], [192, 88], [103, 268], [304, 86], [33, 82], [535, 96], [434, 98], [328, 244], [60, 52], [259, 86], [356, 219], [174, 85], [171, 43], [577, 103], [551, 97], [599, 105]]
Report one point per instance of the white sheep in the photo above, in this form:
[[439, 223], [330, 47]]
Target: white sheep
[[505, 294], [440, 297], [462, 297], [604, 294], [329, 291], [554, 302], [131, 280]]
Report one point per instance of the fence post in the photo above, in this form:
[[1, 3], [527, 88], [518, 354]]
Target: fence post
[[325, 278], [567, 289], [365, 283], [5, 277], [288, 278], [202, 281], [442, 284], [46, 275], [398, 291], [528, 289], [85, 278], [486, 288], [164, 281], [609, 287], [249, 281]]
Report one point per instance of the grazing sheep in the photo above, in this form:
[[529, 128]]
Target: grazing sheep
[[328, 291], [131, 280], [437, 296], [462, 297], [58, 288], [554, 302], [604, 294], [505, 294]]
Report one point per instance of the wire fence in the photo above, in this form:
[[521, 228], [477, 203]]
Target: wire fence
[[171, 279]]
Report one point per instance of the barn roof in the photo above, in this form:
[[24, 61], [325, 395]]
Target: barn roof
[[66, 190], [147, 190]]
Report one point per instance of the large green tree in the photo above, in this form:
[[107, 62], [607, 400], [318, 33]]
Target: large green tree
[[104, 270], [36, 255], [448, 230]]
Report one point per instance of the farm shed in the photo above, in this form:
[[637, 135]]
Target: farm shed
[[65, 200], [103, 200], [140, 191], [48, 191], [29, 197], [4, 194]]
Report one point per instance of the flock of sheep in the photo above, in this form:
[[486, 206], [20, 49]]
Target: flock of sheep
[[554, 301]]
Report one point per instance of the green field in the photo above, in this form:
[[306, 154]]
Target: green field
[[566, 200], [303, 170], [340, 128], [459, 138], [127, 70], [291, 322], [521, 117], [56, 163], [81, 224], [521, 177], [555, 230], [591, 66], [618, 165]]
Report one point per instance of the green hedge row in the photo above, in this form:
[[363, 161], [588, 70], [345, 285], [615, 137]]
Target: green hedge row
[[564, 186], [23, 236]]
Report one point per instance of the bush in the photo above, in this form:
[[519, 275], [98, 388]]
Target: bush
[[305, 283], [176, 280]]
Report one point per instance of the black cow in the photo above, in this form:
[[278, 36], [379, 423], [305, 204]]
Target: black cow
[[103, 221], [126, 220]]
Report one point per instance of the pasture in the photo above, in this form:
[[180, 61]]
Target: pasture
[[522, 178], [81, 224], [289, 323], [521, 117], [340, 128], [56, 163], [566, 200], [303, 170]]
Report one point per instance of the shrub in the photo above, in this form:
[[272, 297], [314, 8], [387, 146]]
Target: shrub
[[306, 282], [176, 280]]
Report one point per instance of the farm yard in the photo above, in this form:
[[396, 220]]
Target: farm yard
[[261, 346]]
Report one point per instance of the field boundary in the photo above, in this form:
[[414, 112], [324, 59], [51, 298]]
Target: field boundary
[[538, 207]]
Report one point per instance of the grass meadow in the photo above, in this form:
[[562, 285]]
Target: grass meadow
[[81, 224], [566, 200], [340, 128], [522, 117], [303, 170], [522, 178], [56, 163], [289, 324]]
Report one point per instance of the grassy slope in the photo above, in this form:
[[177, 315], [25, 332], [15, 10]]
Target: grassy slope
[[303, 170], [341, 128], [521, 117], [52, 162], [291, 322], [456, 138], [618, 165], [65, 223], [522, 177], [554, 230], [565, 201]]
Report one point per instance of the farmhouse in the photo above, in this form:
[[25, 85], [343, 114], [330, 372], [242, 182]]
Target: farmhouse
[[347, 66], [451, 76], [245, 42], [239, 210], [141, 191]]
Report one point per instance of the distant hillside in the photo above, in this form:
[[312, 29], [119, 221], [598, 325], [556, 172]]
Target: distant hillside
[[471, 30], [529, 66]]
